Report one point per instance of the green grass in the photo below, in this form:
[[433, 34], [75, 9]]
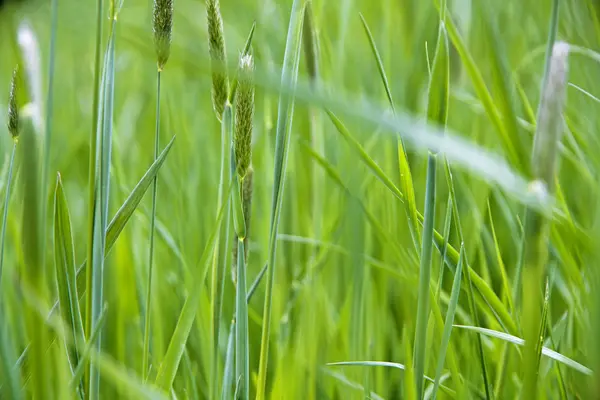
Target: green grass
[[395, 250]]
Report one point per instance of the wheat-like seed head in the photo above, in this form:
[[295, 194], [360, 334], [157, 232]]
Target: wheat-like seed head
[[244, 115], [550, 118], [13, 109], [162, 23], [216, 48]]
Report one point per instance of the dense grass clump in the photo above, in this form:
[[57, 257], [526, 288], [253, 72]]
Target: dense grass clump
[[382, 200]]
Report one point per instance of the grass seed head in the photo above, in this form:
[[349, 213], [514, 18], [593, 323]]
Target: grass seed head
[[244, 115], [13, 109], [162, 24], [550, 118], [216, 48]]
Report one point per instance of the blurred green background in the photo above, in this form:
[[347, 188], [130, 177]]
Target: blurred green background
[[311, 322]]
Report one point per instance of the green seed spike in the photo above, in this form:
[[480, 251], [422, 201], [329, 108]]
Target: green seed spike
[[162, 24], [216, 48], [244, 115], [13, 109]]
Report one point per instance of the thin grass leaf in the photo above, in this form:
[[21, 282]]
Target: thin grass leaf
[[64, 259], [176, 348], [87, 348], [520, 342], [449, 322], [285, 115], [370, 163], [406, 181]]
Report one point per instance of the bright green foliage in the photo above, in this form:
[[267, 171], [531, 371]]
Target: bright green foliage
[[370, 285]]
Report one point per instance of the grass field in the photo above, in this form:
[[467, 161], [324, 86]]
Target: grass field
[[310, 200]]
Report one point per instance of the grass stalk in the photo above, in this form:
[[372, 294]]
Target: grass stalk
[[544, 163], [147, 320], [91, 206], [162, 27], [285, 114], [424, 277]]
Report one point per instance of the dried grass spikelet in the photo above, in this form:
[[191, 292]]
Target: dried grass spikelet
[[216, 48], [13, 109], [550, 123], [244, 116], [247, 188], [162, 24]]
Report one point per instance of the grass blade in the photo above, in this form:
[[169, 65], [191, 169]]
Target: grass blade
[[420, 342], [406, 181], [449, 321], [176, 348], [520, 342], [64, 253], [5, 212], [285, 114], [242, 366]]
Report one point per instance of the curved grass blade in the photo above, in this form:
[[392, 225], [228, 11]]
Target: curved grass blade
[[384, 364], [229, 364], [285, 115], [406, 181], [449, 321], [64, 259], [520, 342], [176, 348]]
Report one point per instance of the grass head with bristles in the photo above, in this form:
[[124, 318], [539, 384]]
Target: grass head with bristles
[[216, 48], [13, 109], [244, 115], [162, 24]]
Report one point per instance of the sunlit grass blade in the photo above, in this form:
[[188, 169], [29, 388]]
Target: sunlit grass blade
[[446, 235], [406, 181], [170, 363], [449, 322], [64, 260], [520, 342], [285, 115], [425, 277]]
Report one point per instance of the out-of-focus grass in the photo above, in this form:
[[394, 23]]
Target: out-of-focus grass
[[353, 225]]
